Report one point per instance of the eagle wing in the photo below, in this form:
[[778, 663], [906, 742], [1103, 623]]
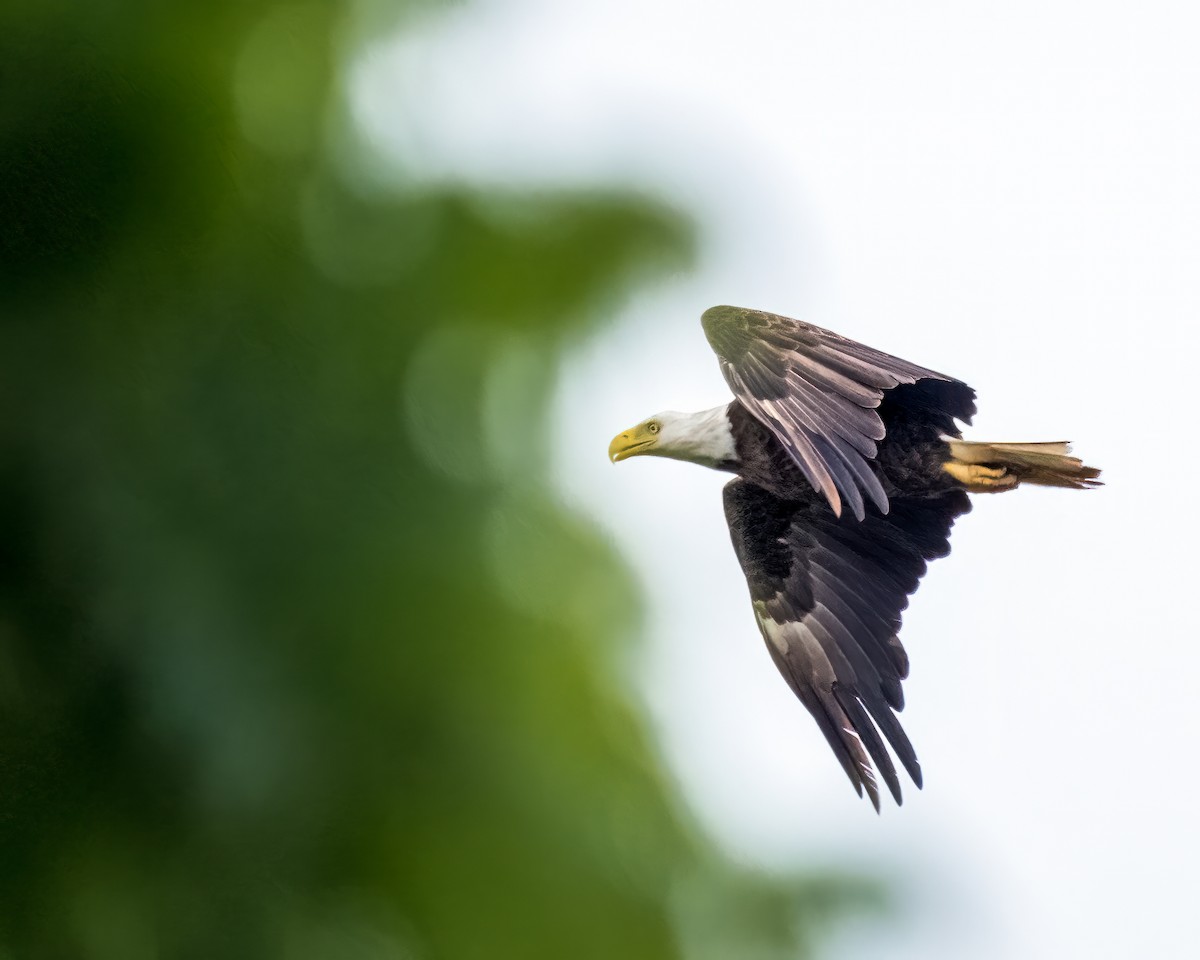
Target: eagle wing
[[817, 393], [828, 593]]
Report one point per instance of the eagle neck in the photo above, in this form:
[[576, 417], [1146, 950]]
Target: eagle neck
[[704, 437]]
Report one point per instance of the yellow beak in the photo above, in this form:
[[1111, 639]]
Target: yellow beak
[[630, 443]]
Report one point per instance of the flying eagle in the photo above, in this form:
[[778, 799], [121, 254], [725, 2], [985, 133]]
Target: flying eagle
[[850, 473]]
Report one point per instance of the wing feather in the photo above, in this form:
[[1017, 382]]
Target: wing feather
[[842, 475], [863, 474], [860, 721], [818, 393]]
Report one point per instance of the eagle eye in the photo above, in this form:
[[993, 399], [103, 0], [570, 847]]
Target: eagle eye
[[652, 426]]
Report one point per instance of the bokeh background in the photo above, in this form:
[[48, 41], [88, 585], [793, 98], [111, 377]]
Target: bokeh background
[[300, 653], [326, 630]]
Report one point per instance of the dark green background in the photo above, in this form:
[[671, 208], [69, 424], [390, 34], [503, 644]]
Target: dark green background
[[299, 656]]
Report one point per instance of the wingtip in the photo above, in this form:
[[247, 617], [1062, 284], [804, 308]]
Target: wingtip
[[874, 794], [897, 794], [867, 777]]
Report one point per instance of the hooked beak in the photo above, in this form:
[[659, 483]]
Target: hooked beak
[[630, 444]]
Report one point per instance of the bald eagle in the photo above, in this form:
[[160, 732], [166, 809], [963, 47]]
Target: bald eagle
[[850, 473]]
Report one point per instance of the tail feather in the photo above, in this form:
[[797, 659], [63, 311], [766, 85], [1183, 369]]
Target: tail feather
[[1045, 464]]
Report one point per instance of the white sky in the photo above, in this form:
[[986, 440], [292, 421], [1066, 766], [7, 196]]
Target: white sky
[[1006, 192]]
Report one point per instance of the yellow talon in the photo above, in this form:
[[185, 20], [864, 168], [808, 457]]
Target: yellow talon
[[980, 479]]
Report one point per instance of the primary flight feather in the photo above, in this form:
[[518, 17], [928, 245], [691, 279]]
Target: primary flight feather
[[851, 470]]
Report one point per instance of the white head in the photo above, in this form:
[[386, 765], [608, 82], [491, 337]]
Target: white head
[[705, 438]]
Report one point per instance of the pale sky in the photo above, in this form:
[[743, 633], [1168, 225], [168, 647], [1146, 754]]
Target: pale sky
[[1009, 193]]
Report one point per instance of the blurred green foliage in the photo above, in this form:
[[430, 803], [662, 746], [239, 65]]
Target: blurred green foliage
[[298, 655]]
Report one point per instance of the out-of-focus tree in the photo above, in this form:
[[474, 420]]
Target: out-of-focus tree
[[298, 655]]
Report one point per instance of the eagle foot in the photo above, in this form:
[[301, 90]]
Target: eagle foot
[[980, 479]]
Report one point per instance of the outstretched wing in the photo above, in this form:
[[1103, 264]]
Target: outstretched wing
[[828, 593], [817, 392]]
